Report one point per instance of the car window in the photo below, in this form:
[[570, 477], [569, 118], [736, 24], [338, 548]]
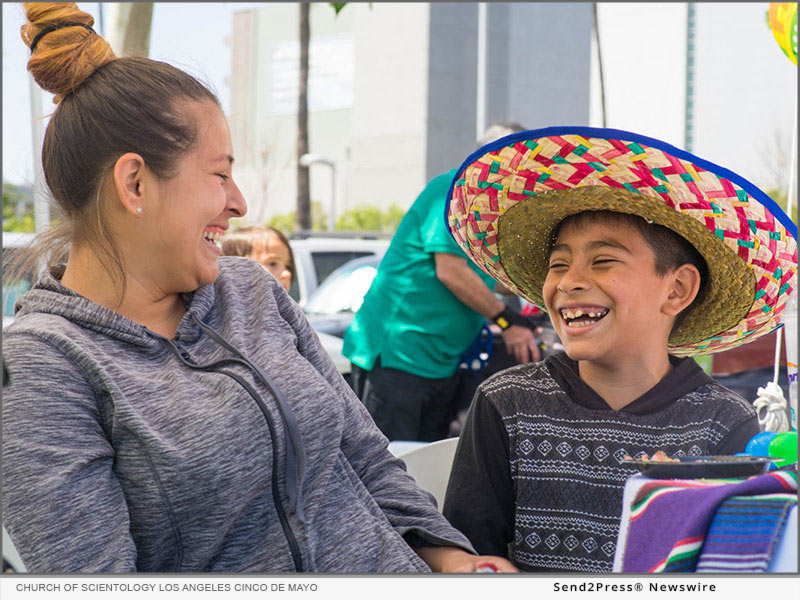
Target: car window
[[342, 292], [294, 290], [326, 262]]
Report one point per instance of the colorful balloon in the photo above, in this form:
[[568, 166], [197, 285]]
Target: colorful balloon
[[782, 18], [784, 447], [759, 444]]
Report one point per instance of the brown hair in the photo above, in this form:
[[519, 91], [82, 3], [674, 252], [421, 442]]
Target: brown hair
[[241, 242], [670, 250], [107, 106]]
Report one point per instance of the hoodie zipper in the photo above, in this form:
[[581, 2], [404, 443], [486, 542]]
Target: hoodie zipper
[[291, 539]]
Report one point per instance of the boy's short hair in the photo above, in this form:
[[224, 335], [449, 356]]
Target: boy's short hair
[[670, 250]]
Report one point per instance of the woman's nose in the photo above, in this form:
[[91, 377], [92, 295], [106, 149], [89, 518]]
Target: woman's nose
[[236, 202]]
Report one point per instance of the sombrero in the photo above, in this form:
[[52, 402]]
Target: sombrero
[[509, 196]]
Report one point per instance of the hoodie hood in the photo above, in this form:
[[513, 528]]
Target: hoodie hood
[[48, 296]]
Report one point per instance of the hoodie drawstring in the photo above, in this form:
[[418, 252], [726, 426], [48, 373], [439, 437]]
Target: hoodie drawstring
[[295, 448], [295, 464]]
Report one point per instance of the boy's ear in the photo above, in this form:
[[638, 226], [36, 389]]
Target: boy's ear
[[684, 288], [128, 174]]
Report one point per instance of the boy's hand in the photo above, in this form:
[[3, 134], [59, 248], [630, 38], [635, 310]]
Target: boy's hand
[[521, 344], [447, 559]]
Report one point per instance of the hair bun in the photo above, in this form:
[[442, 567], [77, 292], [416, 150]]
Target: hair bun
[[65, 57]]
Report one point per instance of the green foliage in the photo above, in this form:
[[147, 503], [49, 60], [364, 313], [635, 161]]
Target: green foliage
[[359, 218], [12, 197], [286, 223], [370, 218], [779, 196]]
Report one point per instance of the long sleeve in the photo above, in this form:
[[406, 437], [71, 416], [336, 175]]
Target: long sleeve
[[62, 503], [737, 439], [480, 495], [410, 510]]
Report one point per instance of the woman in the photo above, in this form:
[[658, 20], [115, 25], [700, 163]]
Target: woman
[[170, 410]]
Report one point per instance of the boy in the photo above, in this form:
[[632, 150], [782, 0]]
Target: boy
[[627, 243]]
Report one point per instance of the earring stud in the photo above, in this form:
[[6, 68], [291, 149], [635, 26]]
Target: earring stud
[[138, 210]]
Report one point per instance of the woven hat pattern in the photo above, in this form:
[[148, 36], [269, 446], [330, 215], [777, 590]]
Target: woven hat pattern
[[532, 170]]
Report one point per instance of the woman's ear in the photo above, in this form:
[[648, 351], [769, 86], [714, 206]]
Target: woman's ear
[[129, 173], [685, 284]]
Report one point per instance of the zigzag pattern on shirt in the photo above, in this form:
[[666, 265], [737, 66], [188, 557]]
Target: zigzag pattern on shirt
[[582, 474], [542, 425], [613, 519], [562, 563], [545, 418], [707, 391], [568, 524]]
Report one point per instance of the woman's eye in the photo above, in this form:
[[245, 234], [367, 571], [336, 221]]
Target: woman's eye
[[223, 176]]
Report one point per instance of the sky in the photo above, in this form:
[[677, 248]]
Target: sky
[[746, 94]]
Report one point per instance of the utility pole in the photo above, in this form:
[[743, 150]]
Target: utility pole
[[303, 214], [130, 24], [688, 119], [600, 64], [480, 104]]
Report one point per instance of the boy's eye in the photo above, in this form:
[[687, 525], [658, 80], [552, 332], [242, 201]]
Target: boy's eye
[[601, 261], [558, 265]]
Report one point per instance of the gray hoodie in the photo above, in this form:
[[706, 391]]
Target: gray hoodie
[[235, 446]]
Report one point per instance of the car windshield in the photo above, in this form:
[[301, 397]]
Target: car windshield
[[344, 289]]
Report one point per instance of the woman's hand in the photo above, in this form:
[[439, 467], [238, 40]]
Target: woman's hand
[[447, 559]]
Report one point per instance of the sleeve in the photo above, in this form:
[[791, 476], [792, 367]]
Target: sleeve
[[411, 510], [737, 439], [434, 233], [63, 507], [480, 495]]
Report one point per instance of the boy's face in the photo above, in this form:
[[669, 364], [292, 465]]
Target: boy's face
[[603, 294]]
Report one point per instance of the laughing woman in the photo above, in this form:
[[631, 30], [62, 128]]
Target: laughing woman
[[171, 410]]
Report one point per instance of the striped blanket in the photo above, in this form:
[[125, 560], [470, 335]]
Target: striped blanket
[[670, 518], [744, 532]]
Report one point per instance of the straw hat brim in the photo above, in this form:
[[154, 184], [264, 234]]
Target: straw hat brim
[[508, 197], [526, 233]]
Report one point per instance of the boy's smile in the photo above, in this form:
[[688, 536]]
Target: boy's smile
[[603, 294]]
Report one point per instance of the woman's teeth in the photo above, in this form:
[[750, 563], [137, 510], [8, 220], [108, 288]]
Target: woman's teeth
[[213, 237]]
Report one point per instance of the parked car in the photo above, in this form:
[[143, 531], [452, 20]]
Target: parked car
[[317, 256], [331, 307]]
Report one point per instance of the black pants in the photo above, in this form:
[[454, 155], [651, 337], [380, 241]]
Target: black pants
[[406, 406]]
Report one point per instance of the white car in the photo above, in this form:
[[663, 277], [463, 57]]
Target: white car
[[317, 257]]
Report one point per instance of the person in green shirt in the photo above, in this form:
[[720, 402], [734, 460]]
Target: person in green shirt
[[424, 308]]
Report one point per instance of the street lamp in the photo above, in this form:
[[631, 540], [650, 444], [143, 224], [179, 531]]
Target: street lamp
[[317, 159]]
